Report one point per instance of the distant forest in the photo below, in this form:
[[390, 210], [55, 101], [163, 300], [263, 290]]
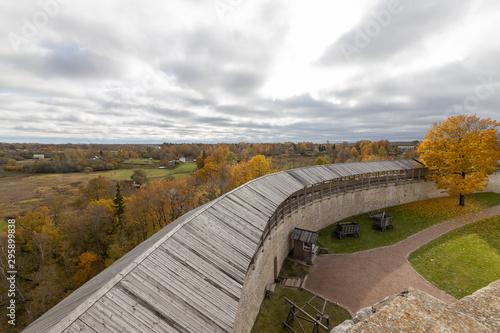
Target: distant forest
[[64, 158]]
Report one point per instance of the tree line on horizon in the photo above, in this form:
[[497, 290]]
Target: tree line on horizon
[[68, 158]]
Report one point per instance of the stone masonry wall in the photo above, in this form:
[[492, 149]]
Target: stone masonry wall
[[316, 216]]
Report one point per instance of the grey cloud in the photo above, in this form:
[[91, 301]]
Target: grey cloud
[[404, 31], [69, 61]]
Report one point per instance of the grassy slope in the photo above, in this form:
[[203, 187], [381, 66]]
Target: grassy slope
[[463, 260], [408, 219], [293, 269], [274, 311]]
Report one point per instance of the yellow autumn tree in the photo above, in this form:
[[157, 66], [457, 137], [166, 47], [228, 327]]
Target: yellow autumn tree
[[260, 166], [321, 160], [257, 167], [241, 174], [461, 152], [87, 268]]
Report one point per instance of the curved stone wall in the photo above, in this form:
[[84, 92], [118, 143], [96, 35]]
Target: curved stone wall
[[318, 215], [207, 271]]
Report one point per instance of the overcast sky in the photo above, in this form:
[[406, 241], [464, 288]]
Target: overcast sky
[[243, 70]]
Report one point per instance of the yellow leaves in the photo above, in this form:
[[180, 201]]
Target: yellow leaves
[[209, 170], [86, 259], [156, 205], [440, 209], [246, 171], [461, 151], [259, 166], [321, 160], [86, 263], [241, 174], [106, 204]]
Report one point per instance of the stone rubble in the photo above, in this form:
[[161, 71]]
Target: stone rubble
[[415, 311]]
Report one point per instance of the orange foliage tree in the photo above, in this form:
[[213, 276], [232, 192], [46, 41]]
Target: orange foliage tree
[[241, 174], [461, 152], [156, 205], [260, 166], [257, 167], [87, 267]]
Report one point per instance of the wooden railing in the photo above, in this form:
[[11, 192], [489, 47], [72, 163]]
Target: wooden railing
[[334, 187]]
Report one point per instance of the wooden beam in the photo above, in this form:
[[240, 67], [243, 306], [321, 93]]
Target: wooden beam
[[314, 320]]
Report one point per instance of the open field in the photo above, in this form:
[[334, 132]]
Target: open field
[[139, 161], [180, 172], [408, 219], [274, 311], [463, 260], [20, 192]]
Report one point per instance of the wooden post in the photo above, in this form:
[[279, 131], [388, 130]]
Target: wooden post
[[305, 199], [297, 201]]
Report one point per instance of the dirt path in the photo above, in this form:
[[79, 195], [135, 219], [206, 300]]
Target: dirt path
[[362, 279]]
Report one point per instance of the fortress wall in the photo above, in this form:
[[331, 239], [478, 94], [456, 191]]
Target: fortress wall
[[316, 216], [494, 183]]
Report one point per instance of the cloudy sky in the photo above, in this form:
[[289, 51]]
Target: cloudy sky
[[240, 70]]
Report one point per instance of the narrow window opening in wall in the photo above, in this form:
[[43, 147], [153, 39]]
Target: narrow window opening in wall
[[306, 247]]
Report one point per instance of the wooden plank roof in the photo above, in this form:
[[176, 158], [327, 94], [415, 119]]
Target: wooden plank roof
[[306, 236], [188, 277]]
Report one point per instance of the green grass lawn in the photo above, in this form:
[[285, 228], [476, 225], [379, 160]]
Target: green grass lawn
[[274, 311], [139, 161], [463, 260], [293, 269], [180, 172], [408, 219]]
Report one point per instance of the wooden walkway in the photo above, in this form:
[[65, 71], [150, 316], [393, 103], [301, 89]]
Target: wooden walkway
[[362, 279], [189, 276]]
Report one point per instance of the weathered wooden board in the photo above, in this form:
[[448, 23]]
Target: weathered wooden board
[[189, 276]]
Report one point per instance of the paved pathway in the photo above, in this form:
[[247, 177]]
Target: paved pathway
[[362, 279]]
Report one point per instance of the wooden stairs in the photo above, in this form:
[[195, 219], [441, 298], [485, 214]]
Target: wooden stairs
[[292, 282]]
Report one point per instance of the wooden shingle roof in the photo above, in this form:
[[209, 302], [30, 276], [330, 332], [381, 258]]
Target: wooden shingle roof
[[177, 281], [306, 236]]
